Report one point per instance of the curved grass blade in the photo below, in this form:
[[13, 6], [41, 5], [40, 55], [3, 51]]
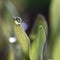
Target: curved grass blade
[[37, 45], [40, 20]]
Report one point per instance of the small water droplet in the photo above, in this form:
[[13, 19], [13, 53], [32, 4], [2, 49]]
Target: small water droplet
[[24, 25], [12, 39], [18, 20]]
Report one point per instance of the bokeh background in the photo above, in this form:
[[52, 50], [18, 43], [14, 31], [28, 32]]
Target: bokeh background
[[28, 10]]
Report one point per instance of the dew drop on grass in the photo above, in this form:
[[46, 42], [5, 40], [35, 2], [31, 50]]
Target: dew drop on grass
[[18, 20], [12, 39]]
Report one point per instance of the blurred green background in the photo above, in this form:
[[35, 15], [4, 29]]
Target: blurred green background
[[27, 39]]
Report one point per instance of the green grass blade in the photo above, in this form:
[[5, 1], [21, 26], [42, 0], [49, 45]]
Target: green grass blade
[[11, 55], [56, 49], [23, 39], [40, 20], [37, 45], [55, 15]]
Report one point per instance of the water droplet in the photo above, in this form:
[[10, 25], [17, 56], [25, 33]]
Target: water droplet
[[18, 20], [12, 39], [24, 25]]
